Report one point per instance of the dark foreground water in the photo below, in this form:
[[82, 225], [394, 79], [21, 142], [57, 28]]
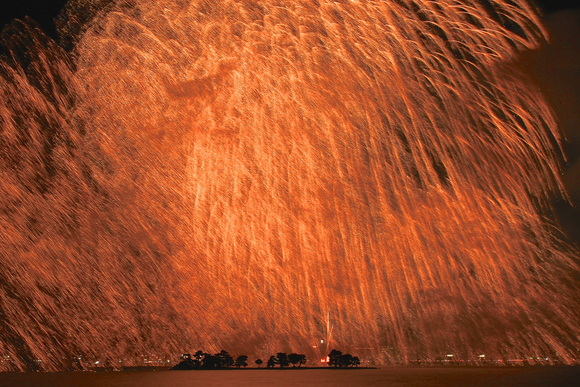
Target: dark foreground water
[[391, 377]]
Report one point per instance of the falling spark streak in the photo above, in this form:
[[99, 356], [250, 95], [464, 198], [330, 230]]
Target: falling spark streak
[[221, 174]]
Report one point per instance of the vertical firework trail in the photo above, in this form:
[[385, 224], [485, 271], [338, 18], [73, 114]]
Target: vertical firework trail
[[231, 174]]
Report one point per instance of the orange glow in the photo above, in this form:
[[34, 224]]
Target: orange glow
[[227, 174]]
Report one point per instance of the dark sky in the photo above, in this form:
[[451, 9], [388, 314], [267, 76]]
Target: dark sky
[[556, 70], [44, 11]]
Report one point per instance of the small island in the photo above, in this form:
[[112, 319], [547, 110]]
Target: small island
[[223, 360]]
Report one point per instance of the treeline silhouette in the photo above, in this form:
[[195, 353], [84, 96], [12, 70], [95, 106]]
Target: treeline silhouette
[[284, 360], [338, 359], [202, 360], [223, 360]]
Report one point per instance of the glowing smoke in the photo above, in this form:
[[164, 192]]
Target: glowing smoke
[[225, 174]]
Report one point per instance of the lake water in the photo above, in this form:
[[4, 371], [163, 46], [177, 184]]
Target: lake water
[[388, 377]]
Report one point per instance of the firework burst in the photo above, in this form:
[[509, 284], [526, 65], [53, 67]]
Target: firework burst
[[233, 173]]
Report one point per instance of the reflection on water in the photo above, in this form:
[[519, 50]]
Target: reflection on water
[[392, 377]]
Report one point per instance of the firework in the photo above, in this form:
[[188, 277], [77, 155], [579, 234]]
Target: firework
[[236, 174]]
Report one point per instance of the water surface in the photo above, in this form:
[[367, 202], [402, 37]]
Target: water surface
[[391, 377]]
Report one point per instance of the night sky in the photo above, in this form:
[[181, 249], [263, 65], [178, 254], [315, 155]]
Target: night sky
[[43, 11]]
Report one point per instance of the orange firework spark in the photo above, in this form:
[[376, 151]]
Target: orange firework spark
[[231, 174]]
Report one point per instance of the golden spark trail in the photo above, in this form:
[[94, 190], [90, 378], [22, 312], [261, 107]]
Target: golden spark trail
[[227, 174]]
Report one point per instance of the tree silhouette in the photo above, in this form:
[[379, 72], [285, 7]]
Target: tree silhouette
[[241, 361], [271, 362], [334, 358], [224, 359], [198, 355], [186, 362], [282, 359], [210, 361], [258, 362], [196, 359], [295, 358], [345, 360], [338, 359]]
